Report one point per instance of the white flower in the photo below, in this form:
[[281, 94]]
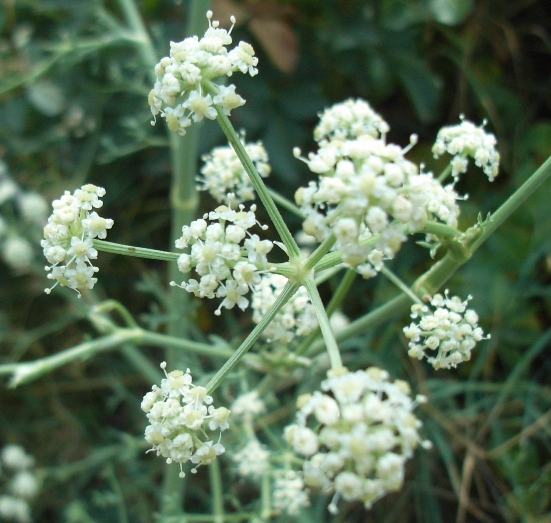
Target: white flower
[[289, 494], [451, 330], [200, 106], [68, 238], [180, 93], [223, 173], [349, 120], [302, 439], [252, 459], [243, 58], [247, 406], [97, 226], [464, 140], [206, 454], [367, 194], [356, 435], [179, 413], [217, 253], [219, 418]]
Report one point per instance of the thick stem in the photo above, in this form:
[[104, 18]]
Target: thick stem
[[184, 203], [514, 202], [217, 498]]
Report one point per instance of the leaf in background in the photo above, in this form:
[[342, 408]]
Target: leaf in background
[[399, 15], [421, 85], [535, 148]]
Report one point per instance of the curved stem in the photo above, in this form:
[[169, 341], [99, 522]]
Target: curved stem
[[25, 372]]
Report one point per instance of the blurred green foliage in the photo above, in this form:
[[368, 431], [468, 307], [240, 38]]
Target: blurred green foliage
[[73, 107]]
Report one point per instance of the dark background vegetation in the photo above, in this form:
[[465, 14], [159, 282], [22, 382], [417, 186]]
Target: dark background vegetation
[[73, 108]]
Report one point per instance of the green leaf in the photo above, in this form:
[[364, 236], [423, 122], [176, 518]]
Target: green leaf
[[421, 85]]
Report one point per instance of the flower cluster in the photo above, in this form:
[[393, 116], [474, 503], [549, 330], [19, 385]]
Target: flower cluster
[[180, 93], [369, 195], [350, 120], [69, 234], [223, 172], [226, 256], [247, 406], [362, 430], [464, 140], [296, 318], [19, 482], [252, 460], [179, 414], [451, 330], [289, 494]]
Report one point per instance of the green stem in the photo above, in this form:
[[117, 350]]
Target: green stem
[[400, 284], [114, 305], [325, 326], [514, 202], [28, 371], [259, 185], [320, 252], [137, 252], [141, 36], [288, 291], [216, 494], [392, 308], [335, 302], [441, 230], [184, 204], [440, 272], [265, 496], [445, 173]]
